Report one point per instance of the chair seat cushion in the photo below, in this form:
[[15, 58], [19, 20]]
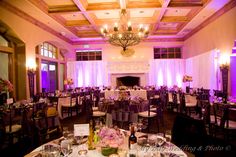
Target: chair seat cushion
[[145, 114], [51, 111], [98, 114], [154, 109], [95, 108], [14, 128], [190, 104], [232, 124]]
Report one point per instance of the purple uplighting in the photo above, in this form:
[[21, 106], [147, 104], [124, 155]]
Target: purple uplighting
[[233, 75]]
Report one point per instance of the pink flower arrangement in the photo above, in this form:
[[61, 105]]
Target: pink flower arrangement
[[5, 85], [68, 81], [110, 137], [187, 78]]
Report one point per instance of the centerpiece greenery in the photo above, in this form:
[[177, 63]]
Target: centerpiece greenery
[[109, 140]]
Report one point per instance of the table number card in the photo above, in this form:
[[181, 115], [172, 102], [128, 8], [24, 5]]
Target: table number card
[[81, 129], [9, 101]]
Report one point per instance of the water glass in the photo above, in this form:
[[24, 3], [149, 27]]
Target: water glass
[[168, 136], [66, 147], [65, 132]]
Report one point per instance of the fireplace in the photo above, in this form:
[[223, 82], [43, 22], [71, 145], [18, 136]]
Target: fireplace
[[128, 81], [140, 79]]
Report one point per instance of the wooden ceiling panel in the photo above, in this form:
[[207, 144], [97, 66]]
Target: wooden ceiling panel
[[141, 13], [143, 4], [58, 2], [187, 3], [107, 14], [84, 18], [73, 16], [177, 12]]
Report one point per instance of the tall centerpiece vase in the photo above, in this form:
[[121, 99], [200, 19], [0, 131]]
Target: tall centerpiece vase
[[3, 98]]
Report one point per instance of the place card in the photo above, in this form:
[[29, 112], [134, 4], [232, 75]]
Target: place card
[[81, 129], [9, 101]]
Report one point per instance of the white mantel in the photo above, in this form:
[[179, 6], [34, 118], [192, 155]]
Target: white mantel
[[132, 68], [128, 67]]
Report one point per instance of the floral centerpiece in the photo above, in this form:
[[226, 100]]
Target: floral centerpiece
[[5, 86], [122, 88], [69, 82], [187, 78], [110, 140]]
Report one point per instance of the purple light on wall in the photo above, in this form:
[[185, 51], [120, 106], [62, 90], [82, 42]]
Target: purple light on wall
[[44, 80], [233, 75]]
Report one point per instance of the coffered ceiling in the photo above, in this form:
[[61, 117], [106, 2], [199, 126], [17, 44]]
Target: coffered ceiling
[[79, 20]]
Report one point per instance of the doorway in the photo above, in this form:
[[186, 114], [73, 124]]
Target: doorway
[[48, 76]]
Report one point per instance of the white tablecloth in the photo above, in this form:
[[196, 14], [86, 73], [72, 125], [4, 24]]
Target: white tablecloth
[[140, 151], [139, 93]]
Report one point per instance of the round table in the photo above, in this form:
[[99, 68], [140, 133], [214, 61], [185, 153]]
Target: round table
[[123, 150]]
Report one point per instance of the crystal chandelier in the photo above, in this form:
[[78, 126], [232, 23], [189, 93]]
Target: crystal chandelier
[[124, 35]]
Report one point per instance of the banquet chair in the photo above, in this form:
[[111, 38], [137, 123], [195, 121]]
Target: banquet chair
[[173, 101], [225, 120], [190, 104], [46, 123], [94, 115], [11, 125], [149, 116], [189, 132], [68, 104]]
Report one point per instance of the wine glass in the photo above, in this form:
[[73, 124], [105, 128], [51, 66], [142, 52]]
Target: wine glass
[[65, 132], [168, 136], [65, 147]]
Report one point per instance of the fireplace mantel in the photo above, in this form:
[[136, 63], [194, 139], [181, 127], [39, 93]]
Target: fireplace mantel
[[128, 67]]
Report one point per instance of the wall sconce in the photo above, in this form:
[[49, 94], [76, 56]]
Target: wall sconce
[[224, 62], [31, 68]]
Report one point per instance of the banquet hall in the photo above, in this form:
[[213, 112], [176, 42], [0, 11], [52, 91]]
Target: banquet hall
[[165, 68]]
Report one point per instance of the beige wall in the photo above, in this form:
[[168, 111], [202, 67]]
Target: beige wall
[[143, 51], [31, 35], [220, 34]]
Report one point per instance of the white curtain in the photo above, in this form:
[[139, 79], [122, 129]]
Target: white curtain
[[167, 72], [87, 73], [204, 70]]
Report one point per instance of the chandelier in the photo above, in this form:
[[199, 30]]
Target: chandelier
[[124, 34]]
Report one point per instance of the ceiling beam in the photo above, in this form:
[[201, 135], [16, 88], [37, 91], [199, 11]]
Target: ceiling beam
[[32, 20], [82, 5], [162, 13], [44, 7], [63, 8]]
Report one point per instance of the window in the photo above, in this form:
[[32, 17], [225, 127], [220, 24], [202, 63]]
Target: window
[[48, 50], [88, 55], [167, 53]]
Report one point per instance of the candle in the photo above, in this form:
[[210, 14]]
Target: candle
[[114, 155]]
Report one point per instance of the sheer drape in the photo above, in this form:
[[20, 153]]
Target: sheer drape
[[204, 70], [167, 72], [87, 73]]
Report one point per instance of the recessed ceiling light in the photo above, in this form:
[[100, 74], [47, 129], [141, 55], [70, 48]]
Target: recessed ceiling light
[[63, 33]]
